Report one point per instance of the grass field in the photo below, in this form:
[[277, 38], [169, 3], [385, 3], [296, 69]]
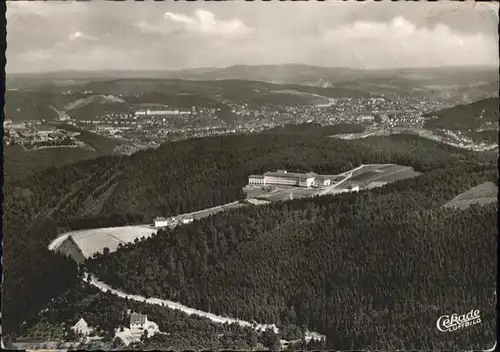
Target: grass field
[[94, 240], [365, 176], [400, 175], [482, 194], [378, 174]]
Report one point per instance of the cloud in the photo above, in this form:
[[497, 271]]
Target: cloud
[[179, 18], [44, 9], [402, 39], [71, 44], [100, 34], [204, 21], [80, 36]]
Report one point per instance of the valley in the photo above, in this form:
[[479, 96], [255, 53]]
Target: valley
[[270, 266]]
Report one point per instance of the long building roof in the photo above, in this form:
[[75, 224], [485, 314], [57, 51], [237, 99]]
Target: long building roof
[[290, 175]]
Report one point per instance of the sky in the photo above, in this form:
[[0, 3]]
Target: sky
[[104, 35]]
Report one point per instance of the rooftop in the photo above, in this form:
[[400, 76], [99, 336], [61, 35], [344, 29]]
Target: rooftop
[[160, 218], [138, 319], [294, 175]]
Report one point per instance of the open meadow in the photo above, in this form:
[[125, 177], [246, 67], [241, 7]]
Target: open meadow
[[95, 240], [380, 174]]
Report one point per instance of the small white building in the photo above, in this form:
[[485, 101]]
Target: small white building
[[82, 328], [353, 188], [161, 222], [187, 220], [138, 324], [367, 118]]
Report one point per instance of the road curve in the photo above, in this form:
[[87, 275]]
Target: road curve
[[94, 281]]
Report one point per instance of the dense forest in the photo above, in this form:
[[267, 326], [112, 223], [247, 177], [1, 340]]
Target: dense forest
[[177, 177], [370, 271], [316, 130], [19, 162]]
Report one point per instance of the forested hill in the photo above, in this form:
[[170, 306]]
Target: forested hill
[[465, 117], [316, 130], [372, 270], [188, 175], [177, 177]]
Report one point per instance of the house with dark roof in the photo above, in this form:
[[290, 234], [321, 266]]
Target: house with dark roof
[[138, 321]]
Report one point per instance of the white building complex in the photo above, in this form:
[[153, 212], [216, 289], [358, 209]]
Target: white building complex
[[161, 112], [285, 178], [161, 222]]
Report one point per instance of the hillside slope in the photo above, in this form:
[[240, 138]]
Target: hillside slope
[[482, 194], [465, 117]]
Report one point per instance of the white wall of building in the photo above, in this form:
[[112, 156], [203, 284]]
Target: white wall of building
[[161, 223]]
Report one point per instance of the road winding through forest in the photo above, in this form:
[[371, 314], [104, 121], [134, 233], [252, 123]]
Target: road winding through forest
[[94, 281]]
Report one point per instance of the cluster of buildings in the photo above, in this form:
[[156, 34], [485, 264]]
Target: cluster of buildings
[[34, 135], [160, 221], [142, 113], [138, 323]]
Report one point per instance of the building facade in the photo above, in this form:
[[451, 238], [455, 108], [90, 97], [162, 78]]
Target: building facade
[[161, 222], [256, 180], [284, 178]]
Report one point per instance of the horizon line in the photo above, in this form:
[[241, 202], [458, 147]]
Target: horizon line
[[69, 70]]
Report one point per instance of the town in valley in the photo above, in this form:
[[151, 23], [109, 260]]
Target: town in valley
[[268, 176]]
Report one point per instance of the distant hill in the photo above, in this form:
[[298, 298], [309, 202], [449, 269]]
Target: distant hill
[[472, 82], [315, 129], [93, 99], [94, 110], [183, 100], [464, 117], [482, 194], [285, 99], [20, 163], [23, 106]]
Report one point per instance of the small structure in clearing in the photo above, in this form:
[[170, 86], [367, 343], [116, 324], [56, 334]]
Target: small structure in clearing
[[82, 328], [160, 222]]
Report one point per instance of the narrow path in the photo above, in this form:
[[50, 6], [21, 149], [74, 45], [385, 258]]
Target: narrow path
[[94, 281]]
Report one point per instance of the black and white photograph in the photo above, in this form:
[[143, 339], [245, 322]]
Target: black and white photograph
[[250, 175]]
